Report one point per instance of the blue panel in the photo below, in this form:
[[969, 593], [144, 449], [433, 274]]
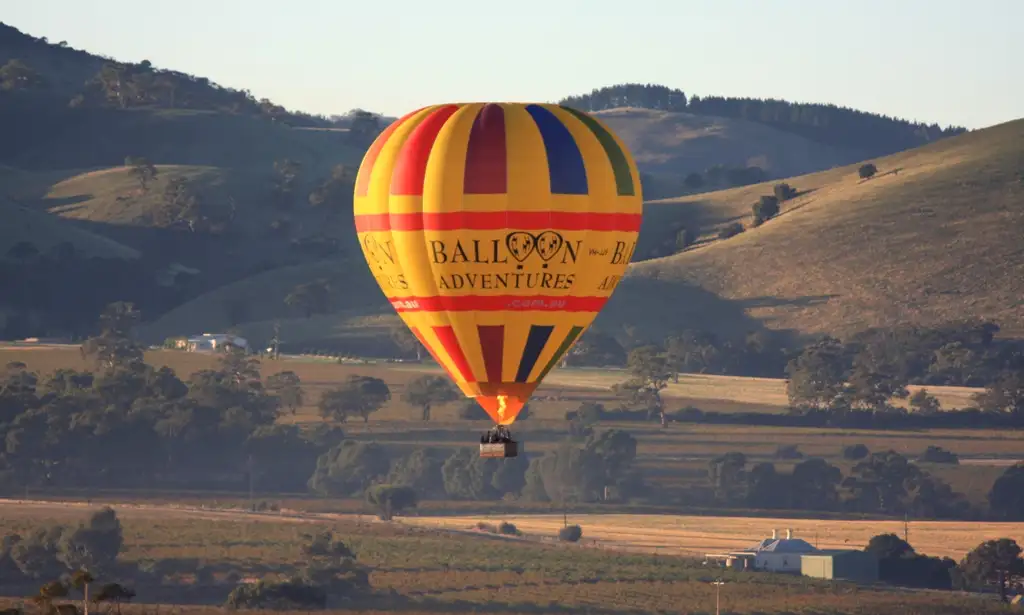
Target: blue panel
[[565, 163], [535, 341]]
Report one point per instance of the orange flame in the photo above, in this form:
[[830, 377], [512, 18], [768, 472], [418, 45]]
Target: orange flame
[[502, 404]]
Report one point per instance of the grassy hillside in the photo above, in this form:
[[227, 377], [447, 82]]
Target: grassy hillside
[[676, 144], [351, 292], [230, 196], [933, 237], [45, 233]]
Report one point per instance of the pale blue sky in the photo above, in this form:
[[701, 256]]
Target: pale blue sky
[[945, 61]]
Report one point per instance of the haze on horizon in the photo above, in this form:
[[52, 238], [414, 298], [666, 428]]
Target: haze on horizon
[[937, 61]]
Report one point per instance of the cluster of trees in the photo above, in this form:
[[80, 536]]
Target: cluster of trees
[[331, 575], [15, 75], [769, 205], [870, 133], [873, 368], [864, 372], [598, 467], [831, 383], [67, 558], [126, 423], [54, 551], [881, 483], [125, 84], [994, 565]]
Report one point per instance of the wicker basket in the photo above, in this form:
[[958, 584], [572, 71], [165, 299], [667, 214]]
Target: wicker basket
[[499, 449]]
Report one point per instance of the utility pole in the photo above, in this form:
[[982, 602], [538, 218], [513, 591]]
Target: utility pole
[[276, 341], [249, 465], [718, 595], [906, 528]]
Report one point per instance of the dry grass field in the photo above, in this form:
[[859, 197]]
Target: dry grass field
[[439, 572], [694, 536]]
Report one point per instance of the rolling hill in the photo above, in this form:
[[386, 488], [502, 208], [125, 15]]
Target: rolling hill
[[45, 233], [934, 237], [676, 143]]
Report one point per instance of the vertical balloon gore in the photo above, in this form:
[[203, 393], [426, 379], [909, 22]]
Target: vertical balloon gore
[[497, 232]]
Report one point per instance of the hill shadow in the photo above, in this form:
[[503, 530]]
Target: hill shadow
[[661, 224], [657, 308], [805, 301]]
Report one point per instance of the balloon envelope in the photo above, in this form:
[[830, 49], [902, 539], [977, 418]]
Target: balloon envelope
[[498, 231]]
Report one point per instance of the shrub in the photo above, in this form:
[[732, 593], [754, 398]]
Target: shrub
[[390, 500], [788, 451], [766, 208], [937, 454], [590, 412], [855, 452], [867, 171], [730, 231], [684, 238], [924, 403], [508, 529], [571, 533], [283, 595], [784, 192]]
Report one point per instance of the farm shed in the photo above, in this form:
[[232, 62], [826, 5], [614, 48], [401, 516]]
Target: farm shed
[[840, 565]]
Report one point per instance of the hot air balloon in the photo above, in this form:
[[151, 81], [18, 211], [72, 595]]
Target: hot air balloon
[[498, 231]]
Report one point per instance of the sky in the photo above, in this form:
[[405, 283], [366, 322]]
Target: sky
[[942, 61]]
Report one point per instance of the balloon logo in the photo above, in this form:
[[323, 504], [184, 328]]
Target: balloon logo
[[498, 231]]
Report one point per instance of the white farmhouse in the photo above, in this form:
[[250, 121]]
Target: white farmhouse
[[212, 342], [771, 554], [781, 554]]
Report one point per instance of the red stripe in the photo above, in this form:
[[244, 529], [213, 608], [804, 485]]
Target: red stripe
[[423, 341], [497, 303], [411, 165], [451, 346], [363, 179], [486, 164], [492, 343], [495, 220]]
